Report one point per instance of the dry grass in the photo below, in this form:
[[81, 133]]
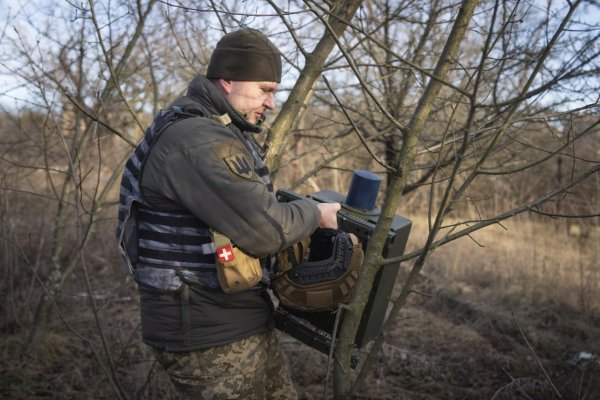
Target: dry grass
[[532, 281], [463, 342], [532, 260]]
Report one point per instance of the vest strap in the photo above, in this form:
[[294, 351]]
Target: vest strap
[[222, 119]]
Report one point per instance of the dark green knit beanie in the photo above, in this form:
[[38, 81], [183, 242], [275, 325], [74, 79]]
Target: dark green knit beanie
[[245, 55]]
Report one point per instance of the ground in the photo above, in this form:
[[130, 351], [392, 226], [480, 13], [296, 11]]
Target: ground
[[458, 345], [518, 319]]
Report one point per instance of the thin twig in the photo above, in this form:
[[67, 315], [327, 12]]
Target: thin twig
[[537, 359], [330, 356], [360, 136]]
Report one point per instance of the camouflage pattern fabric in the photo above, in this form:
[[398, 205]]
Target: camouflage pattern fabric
[[251, 368]]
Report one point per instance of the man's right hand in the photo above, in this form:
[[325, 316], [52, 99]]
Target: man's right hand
[[329, 215]]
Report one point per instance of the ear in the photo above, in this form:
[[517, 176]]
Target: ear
[[225, 85]]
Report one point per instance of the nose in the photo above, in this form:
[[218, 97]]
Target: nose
[[269, 102]]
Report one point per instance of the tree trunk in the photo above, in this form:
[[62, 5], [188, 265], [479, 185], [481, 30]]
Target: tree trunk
[[343, 11], [402, 164]]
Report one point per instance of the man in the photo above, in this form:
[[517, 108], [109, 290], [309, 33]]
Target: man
[[197, 170]]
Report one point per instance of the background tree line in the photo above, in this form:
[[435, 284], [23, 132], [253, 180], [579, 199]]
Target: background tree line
[[474, 112]]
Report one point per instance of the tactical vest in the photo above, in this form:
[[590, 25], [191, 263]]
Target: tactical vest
[[163, 248]]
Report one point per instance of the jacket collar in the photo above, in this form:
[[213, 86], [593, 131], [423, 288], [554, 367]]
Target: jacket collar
[[204, 99]]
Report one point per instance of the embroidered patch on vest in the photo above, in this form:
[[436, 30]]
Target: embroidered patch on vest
[[238, 161], [239, 165]]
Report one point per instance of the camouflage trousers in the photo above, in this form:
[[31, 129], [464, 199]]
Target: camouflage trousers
[[251, 368]]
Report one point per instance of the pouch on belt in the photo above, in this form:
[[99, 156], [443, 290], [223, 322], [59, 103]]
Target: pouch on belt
[[236, 270]]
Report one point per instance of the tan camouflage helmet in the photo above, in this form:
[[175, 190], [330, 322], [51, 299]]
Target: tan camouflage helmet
[[320, 275]]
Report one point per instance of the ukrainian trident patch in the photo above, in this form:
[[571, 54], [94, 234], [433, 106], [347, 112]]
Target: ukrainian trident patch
[[240, 165]]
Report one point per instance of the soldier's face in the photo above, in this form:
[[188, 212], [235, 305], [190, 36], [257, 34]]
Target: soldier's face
[[251, 98]]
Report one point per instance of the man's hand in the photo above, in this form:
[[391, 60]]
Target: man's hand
[[329, 215]]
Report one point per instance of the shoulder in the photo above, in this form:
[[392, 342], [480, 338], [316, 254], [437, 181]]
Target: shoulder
[[195, 133], [204, 126], [207, 144]]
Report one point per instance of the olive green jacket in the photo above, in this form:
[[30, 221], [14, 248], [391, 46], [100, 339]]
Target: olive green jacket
[[207, 168], [207, 165]]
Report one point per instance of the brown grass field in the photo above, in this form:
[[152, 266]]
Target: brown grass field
[[532, 283], [516, 318]]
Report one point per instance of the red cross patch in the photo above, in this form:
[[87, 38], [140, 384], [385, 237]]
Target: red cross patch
[[225, 254]]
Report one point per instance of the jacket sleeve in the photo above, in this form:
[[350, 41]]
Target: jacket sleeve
[[203, 178]]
